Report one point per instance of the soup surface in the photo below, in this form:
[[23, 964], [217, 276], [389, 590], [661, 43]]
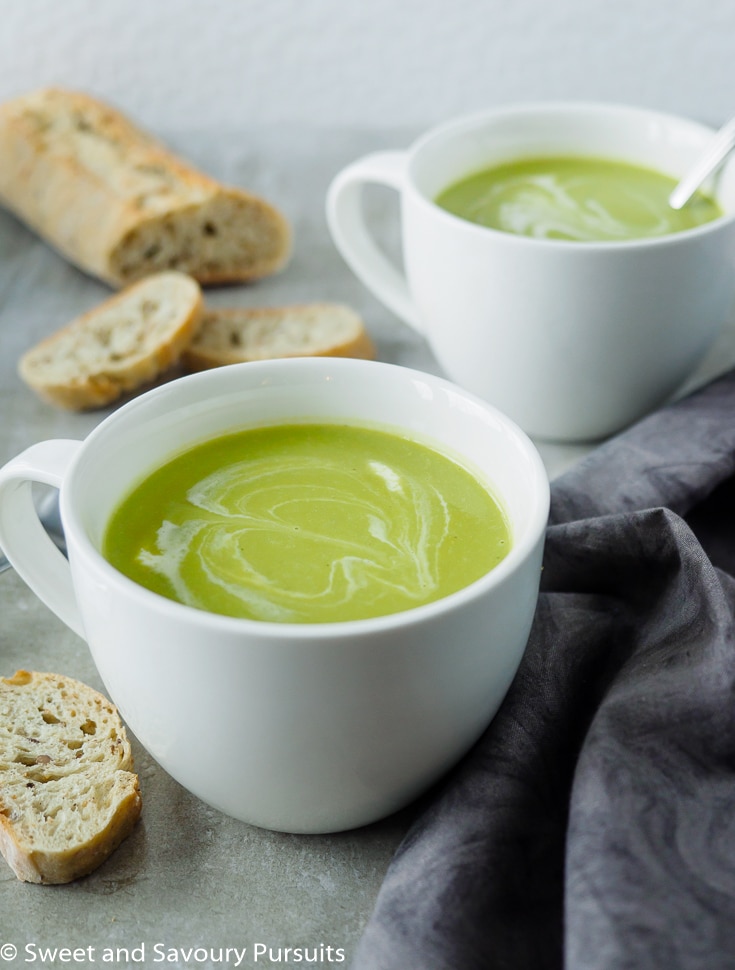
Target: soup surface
[[578, 199], [308, 523]]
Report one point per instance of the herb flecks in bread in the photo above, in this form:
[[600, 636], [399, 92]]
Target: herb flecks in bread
[[234, 335], [118, 346], [68, 793], [120, 205]]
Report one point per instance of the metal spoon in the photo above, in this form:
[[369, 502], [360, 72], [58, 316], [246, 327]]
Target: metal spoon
[[720, 146], [48, 513]]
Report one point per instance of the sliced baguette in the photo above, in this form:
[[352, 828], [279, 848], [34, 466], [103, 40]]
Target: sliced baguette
[[119, 345], [119, 205], [234, 335], [68, 794]]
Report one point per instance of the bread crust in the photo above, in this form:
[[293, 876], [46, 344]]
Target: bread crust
[[68, 793], [238, 334], [119, 205], [118, 346]]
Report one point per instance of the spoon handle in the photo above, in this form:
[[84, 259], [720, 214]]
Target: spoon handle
[[48, 513], [722, 143]]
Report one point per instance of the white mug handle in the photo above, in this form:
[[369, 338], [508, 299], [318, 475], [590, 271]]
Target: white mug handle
[[22, 537], [352, 238]]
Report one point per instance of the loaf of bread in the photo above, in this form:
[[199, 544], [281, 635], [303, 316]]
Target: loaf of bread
[[119, 205], [118, 346], [232, 335], [68, 794]]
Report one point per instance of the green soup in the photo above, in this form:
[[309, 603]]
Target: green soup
[[578, 199], [307, 524]]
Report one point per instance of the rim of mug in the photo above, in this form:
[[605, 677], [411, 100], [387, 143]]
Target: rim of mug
[[274, 630], [475, 119]]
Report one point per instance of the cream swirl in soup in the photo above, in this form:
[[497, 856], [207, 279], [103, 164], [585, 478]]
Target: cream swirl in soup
[[575, 199], [308, 523]]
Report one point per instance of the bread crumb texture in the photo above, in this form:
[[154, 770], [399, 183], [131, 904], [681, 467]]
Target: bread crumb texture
[[117, 346], [117, 203], [235, 335], [68, 793]]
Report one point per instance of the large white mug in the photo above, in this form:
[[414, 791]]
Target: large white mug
[[573, 340], [298, 727]]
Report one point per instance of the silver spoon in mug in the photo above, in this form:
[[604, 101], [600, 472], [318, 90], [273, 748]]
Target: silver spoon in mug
[[48, 513], [717, 150]]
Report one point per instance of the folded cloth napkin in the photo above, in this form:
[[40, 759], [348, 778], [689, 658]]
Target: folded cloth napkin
[[593, 824]]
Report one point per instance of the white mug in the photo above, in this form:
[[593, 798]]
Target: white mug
[[572, 340], [296, 727]]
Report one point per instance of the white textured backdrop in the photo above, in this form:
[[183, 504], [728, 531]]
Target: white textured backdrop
[[230, 63]]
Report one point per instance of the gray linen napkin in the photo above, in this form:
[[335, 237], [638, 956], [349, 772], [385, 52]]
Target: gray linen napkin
[[593, 824]]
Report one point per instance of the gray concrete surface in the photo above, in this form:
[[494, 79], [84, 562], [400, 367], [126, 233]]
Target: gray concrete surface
[[190, 876]]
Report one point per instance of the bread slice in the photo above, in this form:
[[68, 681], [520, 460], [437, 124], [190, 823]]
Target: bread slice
[[233, 335], [121, 206], [68, 794], [119, 345]]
